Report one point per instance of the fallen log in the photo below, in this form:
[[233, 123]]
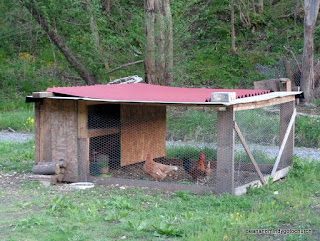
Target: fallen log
[[61, 162], [48, 168], [45, 179]]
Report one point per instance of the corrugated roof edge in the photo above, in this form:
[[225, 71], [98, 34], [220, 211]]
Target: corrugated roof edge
[[251, 99]]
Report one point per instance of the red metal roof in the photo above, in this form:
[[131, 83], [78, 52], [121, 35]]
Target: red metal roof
[[147, 92]]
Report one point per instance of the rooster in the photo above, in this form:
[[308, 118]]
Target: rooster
[[200, 170], [157, 170]]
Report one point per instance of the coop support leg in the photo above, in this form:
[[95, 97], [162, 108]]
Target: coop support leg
[[286, 111], [37, 128], [83, 159], [225, 151]]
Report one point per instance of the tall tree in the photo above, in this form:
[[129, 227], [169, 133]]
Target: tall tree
[[233, 34], [81, 69], [169, 41], [149, 62], [311, 9], [159, 42]]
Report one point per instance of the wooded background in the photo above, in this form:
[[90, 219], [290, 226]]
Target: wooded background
[[194, 43]]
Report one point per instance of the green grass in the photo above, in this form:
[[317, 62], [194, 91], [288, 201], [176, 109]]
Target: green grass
[[16, 156], [211, 154], [307, 131], [106, 213], [21, 120]]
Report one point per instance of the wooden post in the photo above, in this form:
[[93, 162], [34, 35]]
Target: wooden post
[[286, 111], [37, 126], [225, 151], [83, 158], [82, 119]]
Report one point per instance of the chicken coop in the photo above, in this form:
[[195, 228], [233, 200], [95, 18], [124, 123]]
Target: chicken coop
[[172, 138]]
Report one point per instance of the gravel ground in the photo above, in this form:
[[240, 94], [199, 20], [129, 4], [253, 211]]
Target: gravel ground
[[271, 151], [313, 154], [15, 137]]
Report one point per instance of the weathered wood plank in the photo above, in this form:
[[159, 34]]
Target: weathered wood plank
[[225, 152], [42, 94], [70, 117], [102, 132], [142, 128], [278, 175], [263, 103], [83, 158], [247, 149], [46, 122], [82, 119], [37, 130], [44, 179]]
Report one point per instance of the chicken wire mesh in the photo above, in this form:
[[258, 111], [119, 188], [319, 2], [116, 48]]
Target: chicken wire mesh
[[261, 131], [180, 144]]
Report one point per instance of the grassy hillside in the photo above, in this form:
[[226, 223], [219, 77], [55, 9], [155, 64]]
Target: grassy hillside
[[30, 61]]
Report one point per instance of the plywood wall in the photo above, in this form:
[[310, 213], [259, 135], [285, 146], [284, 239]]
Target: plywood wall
[[56, 134], [143, 127]]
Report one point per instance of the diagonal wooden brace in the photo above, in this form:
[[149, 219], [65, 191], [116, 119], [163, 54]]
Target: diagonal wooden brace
[[284, 142], [246, 147]]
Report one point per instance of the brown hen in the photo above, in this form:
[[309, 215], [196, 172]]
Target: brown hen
[[157, 170]]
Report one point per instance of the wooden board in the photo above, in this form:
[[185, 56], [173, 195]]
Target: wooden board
[[143, 128], [58, 134], [42, 94], [37, 126], [278, 175], [102, 132], [82, 119], [83, 158], [263, 103]]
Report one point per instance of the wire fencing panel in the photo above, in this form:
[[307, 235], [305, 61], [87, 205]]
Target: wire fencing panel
[[180, 144], [261, 131]]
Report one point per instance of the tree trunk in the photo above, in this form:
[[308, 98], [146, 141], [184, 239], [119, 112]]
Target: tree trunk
[[260, 6], [233, 34], [160, 60], [169, 40], [106, 6], [149, 62], [96, 37], [81, 69], [311, 8]]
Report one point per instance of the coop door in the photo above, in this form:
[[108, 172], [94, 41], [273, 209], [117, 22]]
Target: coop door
[[143, 127]]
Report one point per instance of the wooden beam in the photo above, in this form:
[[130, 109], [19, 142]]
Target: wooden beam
[[102, 132], [225, 151], [255, 184], [42, 94], [246, 147], [37, 127], [263, 103], [284, 141], [83, 158], [82, 119]]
